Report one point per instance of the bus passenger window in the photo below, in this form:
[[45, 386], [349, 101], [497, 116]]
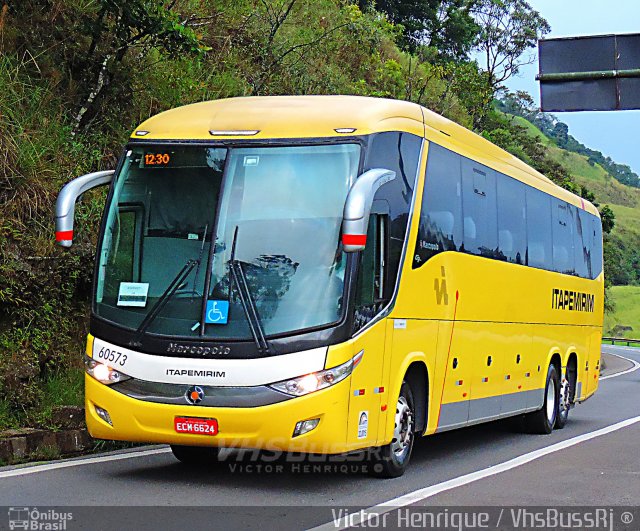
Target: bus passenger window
[[596, 256], [512, 221], [479, 207], [440, 226], [563, 221], [539, 230], [583, 241]]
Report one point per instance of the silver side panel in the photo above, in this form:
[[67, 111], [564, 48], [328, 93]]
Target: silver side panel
[[458, 414]]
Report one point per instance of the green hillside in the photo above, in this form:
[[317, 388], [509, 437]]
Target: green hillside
[[623, 255], [627, 313]]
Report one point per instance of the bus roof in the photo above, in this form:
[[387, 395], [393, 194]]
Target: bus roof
[[281, 117]]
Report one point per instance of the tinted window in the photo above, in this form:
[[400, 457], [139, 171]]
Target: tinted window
[[563, 220], [399, 152], [583, 244], [512, 221], [596, 257], [441, 214], [471, 208], [480, 232], [539, 229]]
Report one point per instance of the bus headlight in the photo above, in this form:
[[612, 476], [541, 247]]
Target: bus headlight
[[303, 385], [103, 373]]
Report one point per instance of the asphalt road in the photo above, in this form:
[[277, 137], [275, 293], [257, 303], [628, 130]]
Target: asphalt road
[[594, 460]]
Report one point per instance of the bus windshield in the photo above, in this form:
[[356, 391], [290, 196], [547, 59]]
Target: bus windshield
[[276, 213]]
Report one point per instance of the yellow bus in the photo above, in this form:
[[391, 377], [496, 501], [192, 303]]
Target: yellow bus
[[330, 274]]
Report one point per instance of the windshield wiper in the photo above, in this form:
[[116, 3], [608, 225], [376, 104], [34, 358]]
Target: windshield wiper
[[162, 301], [248, 304]]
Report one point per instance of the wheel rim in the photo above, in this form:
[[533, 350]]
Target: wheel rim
[[564, 397], [551, 401], [403, 430]]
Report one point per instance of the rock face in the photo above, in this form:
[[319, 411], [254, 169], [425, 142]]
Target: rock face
[[31, 444], [620, 329], [68, 417]]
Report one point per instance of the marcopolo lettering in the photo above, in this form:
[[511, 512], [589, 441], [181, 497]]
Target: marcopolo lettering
[[198, 350], [196, 372], [573, 301]]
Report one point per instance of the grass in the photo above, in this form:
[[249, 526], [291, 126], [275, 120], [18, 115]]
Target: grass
[[626, 217], [531, 129], [627, 312], [65, 388]]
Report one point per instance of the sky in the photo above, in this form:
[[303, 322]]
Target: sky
[[614, 133]]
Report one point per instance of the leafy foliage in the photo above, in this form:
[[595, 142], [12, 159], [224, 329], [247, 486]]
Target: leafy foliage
[[508, 29], [521, 104], [445, 29], [78, 76]]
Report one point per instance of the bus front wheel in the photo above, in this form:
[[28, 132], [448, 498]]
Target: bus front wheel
[[543, 420], [391, 461], [195, 455]]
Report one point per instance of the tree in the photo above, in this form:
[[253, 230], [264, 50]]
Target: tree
[[608, 219], [445, 26], [122, 25], [561, 134], [508, 28]]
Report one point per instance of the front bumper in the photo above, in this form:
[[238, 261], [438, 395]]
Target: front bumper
[[267, 427]]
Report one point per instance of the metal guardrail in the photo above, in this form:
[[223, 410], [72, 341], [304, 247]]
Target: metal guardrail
[[629, 342]]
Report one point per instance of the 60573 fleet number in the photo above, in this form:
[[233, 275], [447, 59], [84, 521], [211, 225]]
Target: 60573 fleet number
[[113, 356]]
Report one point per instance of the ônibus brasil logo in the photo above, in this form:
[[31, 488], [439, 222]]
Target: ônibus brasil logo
[[36, 519]]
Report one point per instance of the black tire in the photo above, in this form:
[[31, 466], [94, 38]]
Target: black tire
[[543, 420], [566, 396], [391, 460], [195, 455]]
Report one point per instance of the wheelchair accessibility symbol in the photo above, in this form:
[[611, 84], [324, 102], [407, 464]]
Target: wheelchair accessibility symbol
[[217, 312]]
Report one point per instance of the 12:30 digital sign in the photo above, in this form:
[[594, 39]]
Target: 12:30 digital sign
[[157, 159]]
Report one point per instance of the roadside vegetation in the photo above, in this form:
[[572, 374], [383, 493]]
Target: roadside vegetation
[[625, 320], [76, 77]]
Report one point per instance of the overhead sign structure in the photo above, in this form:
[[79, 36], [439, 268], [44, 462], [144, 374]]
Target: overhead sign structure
[[596, 73]]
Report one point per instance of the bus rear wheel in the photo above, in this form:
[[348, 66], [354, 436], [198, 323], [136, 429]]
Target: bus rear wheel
[[567, 393], [392, 460], [195, 455], [543, 420]]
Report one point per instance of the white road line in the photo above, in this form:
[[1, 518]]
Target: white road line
[[635, 367], [428, 492], [78, 462]]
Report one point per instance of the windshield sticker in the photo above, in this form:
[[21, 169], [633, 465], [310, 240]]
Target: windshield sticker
[[133, 294], [363, 424], [217, 312], [251, 160]]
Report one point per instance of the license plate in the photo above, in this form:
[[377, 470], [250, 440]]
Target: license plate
[[196, 426]]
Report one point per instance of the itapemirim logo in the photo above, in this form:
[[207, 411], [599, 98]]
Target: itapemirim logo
[[38, 520]]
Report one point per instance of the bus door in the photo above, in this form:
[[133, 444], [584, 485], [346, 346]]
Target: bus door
[[367, 387]]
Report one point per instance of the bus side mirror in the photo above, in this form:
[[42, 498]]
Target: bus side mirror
[[66, 202], [357, 208]]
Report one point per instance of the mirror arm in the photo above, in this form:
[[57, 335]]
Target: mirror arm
[[357, 207], [66, 202]]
